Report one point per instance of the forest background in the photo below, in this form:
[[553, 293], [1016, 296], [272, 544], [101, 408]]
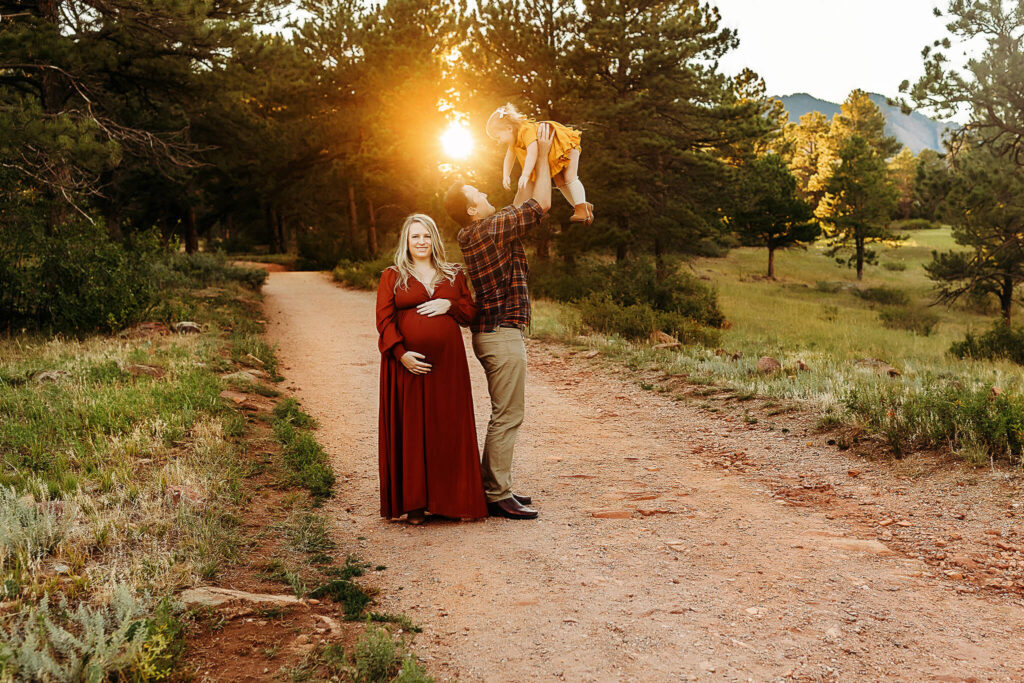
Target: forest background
[[128, 130]]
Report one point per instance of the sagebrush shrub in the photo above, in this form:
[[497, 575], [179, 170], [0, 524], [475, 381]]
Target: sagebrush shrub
[[944, 414], [128, 638]]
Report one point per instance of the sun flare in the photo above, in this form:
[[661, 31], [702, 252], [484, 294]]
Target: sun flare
[[457, 141]]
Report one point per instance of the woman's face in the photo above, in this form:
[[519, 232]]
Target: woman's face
[[420, 244]]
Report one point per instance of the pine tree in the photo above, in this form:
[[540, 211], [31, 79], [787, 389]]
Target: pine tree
[[661, 120], [810, 155], [903, 172], [860, 116], [931, 184], [986, 206], [773, 215], [987, 88], [859, 204]]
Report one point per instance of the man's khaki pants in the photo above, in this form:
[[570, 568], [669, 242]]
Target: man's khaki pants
[[503, 355]]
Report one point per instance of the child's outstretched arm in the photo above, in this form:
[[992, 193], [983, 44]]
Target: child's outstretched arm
[[528, 164], [506, 168]]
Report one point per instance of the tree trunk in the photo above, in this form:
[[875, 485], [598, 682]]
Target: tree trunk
[[114, 226], [371, 229], [543, 232], [660, 267], [622, 248], [353, 220], [1006, 299], [771, 262], [191, 235], [860, 260], [270, 224], [621, 253], [229, 226], [284, 234]]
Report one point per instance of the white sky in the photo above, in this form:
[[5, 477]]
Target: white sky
[[829, 47]]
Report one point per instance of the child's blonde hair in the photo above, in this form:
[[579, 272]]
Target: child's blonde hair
[[505, 115]]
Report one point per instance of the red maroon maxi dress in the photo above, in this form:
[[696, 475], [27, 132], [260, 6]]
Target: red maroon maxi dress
[[427, 443]]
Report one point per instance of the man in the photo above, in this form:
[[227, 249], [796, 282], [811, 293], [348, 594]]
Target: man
[[491, 243]]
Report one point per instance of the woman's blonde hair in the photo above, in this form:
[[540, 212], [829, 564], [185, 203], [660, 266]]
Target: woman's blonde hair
[[505, 115], [403, 259]]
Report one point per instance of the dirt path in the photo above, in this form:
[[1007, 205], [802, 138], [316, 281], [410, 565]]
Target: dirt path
[[708, 576]]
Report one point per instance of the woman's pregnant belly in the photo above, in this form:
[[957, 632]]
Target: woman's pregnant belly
[[429, 336]]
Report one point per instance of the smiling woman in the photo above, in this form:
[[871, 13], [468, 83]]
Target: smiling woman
[[457, 141]]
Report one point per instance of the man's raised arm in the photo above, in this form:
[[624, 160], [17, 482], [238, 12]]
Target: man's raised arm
[[542, 186]]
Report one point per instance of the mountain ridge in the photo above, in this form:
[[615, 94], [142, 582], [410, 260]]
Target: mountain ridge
[[914, 130]]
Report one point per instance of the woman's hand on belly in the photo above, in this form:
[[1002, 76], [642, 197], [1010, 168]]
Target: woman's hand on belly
[[434, 307], [414, 363]]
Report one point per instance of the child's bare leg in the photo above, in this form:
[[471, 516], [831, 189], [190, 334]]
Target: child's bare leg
[[524, 193]]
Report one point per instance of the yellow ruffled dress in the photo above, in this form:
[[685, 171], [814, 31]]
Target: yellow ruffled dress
[[565, 139]]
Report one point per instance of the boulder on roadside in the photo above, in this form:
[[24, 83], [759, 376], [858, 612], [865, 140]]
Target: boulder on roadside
[[244, 376], [137, 369], [880, 367], [50, 376], [187, 327], [660, 338], [767, 365], [214, 596]]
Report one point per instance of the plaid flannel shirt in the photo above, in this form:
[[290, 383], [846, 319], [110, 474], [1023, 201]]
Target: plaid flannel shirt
[[496, 263]]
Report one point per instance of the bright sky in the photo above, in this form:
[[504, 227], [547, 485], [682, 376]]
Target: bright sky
[[829, 47]]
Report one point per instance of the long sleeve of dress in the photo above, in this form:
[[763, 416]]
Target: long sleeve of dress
[[387, 317], [463, 309]]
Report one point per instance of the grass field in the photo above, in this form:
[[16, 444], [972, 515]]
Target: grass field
[[123, 473], [800, 310], [813, 315]]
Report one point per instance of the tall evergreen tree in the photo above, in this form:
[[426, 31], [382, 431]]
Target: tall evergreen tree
[[931, 185], [987, 88], [859, 116], [773, 215], [859, 204], [661, 120], [903, 172], [809, 153], [986, 207]]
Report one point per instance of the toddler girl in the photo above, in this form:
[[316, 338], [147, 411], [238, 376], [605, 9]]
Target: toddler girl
[[509, 127]]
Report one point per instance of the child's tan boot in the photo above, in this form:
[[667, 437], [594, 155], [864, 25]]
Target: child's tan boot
[[582, 214]]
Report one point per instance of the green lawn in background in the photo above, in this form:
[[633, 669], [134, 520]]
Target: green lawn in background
[[799, 310]]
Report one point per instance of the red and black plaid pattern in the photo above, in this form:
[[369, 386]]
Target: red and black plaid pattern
[[496, 263]]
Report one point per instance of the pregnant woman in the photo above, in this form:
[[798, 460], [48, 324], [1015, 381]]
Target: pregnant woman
[[428, 455]]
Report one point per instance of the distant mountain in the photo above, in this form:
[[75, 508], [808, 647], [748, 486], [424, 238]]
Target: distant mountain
[[915, 130]]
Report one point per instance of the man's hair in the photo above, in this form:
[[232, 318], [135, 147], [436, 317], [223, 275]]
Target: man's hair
[[456, 203]]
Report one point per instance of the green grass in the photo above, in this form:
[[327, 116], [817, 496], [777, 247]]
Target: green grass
[[304, 458], [116, 490], [812, 314]]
